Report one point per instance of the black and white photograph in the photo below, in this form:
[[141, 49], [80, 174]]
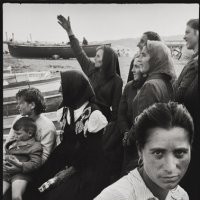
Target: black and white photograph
[[100, 101]]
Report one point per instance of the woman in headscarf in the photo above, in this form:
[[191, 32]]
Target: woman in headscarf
[[148, 35], [104, 73], [77, 168], [156, 63], [132, 88]]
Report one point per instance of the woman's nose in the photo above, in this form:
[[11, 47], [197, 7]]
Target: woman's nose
[[170, 164]]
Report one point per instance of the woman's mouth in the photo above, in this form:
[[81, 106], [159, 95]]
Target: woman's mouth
[[170, 179]]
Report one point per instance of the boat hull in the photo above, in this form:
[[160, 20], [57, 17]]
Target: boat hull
[[52, 103], [42, 51]]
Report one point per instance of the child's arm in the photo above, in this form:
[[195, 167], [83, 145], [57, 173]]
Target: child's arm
[[35, 159], [34, 162]]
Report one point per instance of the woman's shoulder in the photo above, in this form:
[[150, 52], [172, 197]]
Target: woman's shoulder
[[44, 121], [179, 193], [120, 190], [118, 78], [128, 85], [157, 83]]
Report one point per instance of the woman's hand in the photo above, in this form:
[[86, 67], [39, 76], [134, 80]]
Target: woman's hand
[[47, 185], [13, 160], [10, 168], [65, 23]]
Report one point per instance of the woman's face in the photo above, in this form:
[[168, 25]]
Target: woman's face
[[144, 60], [99, 58], [191, 37], [24, 107], [137, 75], [142, 42], [166, 156]]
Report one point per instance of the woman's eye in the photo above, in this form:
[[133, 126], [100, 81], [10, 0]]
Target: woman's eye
[[158, 154], [180, 153]]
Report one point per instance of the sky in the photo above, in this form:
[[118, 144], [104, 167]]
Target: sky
[[96, 22]]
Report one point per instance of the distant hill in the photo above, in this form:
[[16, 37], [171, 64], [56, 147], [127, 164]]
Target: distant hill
[[131, 43]]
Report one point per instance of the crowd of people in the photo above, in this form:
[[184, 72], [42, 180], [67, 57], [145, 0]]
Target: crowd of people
[[140, 142]]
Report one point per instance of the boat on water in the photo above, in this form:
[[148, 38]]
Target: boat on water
[[39, 50]]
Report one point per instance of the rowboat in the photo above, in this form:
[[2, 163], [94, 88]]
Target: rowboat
[[43, 81], [39, 50]]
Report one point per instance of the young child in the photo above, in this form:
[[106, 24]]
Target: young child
[[25, 153]]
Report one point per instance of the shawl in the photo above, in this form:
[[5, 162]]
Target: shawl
[[76, 89]]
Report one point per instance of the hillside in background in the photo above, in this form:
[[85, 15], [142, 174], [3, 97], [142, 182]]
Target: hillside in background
[[131, 43]]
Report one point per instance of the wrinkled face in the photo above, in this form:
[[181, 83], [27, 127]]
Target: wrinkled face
[[144, 60], [166, 156], [137, 75], [99, 58], [24, 107], [21, 135], [191, 37], [142, 42]]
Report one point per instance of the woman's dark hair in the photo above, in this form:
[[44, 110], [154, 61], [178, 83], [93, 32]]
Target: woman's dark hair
[[152, 36], [193, 23], [27, 124], [163, 115], [33, 95]]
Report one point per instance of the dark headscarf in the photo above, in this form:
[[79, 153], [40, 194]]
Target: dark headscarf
[[110, 64], [160, 59], [76, 89]]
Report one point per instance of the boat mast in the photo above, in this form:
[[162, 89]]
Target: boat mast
[[30, 37], [13, 37], [6, 37]]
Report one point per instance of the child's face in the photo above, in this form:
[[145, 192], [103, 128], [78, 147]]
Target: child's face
[[22, 135]]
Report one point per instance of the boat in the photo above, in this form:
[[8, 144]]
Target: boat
[[11, 80], [52, 102], [39, 50], [44, 81]]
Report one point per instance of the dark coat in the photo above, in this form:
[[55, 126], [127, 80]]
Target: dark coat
[[107, 84], [185, 79], [130, 74], [187, 93], [125, 113], [86, 155]]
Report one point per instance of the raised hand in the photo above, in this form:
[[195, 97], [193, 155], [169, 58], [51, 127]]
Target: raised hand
[[65, 23]]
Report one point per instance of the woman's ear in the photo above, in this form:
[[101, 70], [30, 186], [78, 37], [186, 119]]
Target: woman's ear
[[32, 105], [30, 134], [139, 150]]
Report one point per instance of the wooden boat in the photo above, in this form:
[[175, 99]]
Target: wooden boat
[[52, 103], [38, 50], [46, 83]]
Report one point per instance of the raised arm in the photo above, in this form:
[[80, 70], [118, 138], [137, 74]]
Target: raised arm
[[86, 64]]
